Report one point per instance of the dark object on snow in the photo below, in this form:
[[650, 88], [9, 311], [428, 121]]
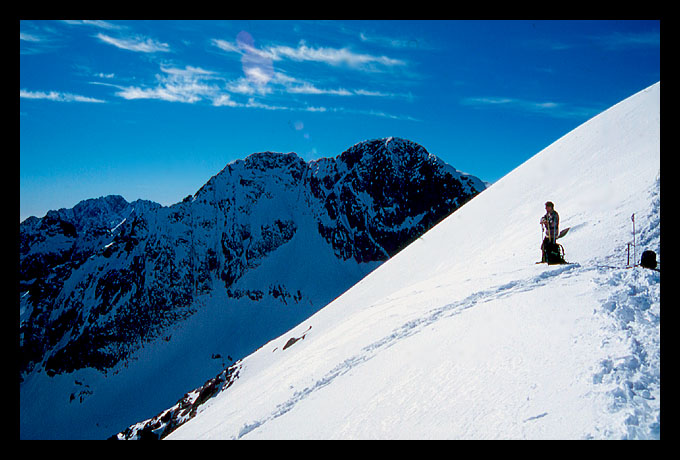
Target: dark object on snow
[[553, 253], [292, 340], [648, 259]]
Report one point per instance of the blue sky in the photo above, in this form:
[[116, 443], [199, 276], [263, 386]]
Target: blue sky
[[153, 109]]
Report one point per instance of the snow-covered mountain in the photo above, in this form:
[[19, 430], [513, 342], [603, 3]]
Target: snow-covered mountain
[[462, 335], [126, 306]]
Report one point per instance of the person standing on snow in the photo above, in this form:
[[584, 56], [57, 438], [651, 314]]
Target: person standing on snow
[[551, 223]]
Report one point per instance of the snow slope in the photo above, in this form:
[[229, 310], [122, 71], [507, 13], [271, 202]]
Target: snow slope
[[461, 335]]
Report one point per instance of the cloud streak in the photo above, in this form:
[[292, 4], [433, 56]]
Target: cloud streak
[[303, 53], [30, 37], [137, 44], [188, 85], [390, 42], [260, 77], [621, 40], [548, 108], [38, 38], [57, 96], [100, 24], [193, 85], [332, 56]]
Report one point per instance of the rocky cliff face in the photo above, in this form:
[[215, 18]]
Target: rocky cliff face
[[102, 279], [59, 265]]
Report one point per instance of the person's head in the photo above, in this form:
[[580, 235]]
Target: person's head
[[549, 206]]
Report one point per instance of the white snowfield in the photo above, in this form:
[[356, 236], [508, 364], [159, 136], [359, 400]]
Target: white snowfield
[[463, 336]]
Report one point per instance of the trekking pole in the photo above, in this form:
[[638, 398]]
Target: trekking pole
[[544, 255], [634, 253]]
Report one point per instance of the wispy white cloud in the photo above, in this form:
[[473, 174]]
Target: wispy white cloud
[[260, 77], [95, 23], [245, 86], [224, 100], [30, 37], [137, 44], [252, 103], [391, 42], [613, 41], [189, 72], [255, 104], [332, 56], [188, 85], [225, 45], [364, 112], [325, 55], [38, 38], [193, 84], [364, 92], [57, 96], [482, 101], [308, 88], [548, 108], [282, 83], [621, 40]]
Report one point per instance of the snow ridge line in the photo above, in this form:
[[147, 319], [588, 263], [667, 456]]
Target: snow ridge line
[[408, 329]]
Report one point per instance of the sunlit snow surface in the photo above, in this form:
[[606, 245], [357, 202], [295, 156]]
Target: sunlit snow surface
[[462, 335]]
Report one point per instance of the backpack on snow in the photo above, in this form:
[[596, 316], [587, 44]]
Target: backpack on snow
[[648, 260], [553, 253]]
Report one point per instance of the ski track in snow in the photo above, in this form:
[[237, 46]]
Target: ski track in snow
[[636, 290], [410, 328]]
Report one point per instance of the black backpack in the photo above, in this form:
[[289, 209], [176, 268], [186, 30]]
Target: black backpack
[[648, 259], [553, 253]]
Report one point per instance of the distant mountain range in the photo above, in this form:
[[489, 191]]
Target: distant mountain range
[[262, 245]]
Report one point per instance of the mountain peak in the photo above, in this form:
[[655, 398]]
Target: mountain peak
[[394, 150], [270, 160], [265, 243]]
